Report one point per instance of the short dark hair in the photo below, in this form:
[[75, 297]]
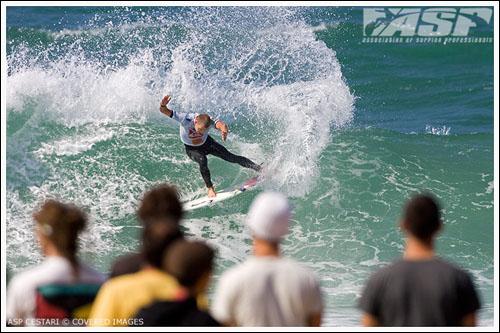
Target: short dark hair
[[187, 261], [161, 203], [157, 237], [422, 216]]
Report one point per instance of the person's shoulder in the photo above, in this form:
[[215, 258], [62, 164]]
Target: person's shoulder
[[297, 267], [45, 272], [299, 273], [241, 272], [196, 316], [452, 268], [446, 264], [401, 266], [388, 270], [204, 318], [235, 271], [23, 282], [155, 309], [122, 282], [29, 274]]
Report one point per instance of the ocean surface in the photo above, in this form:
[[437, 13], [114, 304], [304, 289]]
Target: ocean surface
[[348, 130]]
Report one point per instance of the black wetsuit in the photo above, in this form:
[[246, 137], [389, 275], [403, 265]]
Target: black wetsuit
[[212, 147]]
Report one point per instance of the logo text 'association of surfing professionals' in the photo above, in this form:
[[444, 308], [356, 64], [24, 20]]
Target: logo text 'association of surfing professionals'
[[428, 25]]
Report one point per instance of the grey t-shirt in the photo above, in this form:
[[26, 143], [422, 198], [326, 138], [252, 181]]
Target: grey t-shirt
[[420, 293]]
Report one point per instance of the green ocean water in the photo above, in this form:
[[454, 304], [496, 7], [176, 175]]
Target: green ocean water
[[349, 130]]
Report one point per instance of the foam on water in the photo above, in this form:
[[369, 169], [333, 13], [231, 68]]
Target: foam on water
[[285, 81], [73, 92], [74, 145], [444, 130], [262, 71]]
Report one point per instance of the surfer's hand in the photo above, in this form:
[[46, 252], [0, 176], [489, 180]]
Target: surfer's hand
[[211, 192], [163, 106], [222, 127], [165, 100]]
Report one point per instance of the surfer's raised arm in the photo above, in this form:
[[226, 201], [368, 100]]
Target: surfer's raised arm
[[163, 106]]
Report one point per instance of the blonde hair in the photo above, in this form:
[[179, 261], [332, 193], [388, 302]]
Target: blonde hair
[[204, 119]]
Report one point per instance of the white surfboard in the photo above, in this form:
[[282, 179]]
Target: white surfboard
[[221, 196]]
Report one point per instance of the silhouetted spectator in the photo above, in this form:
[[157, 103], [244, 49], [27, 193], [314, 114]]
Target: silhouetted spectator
[[420, 289]]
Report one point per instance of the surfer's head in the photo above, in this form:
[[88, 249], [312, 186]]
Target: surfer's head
[[202, 123]]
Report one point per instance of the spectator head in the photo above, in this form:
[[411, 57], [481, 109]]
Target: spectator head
[[269, 217], [190, 263], [157, 236], [58, 228], [422, 217], [126, 264], [161, 203]]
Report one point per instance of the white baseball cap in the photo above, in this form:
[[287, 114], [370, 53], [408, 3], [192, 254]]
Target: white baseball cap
[[269, 216]]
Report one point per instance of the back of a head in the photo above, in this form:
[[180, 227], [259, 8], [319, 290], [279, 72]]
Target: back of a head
[[269, 216], [161, 203], [157, 236], [126, 264], [422, 216], [61, 224], [188, 261]]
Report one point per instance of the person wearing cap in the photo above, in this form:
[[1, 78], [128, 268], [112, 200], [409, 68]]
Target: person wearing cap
[[268, 289], [194, 129]]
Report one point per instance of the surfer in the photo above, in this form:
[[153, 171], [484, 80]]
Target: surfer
[[194, 134]]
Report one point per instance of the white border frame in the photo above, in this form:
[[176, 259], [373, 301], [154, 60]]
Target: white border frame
[[5, 4]]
